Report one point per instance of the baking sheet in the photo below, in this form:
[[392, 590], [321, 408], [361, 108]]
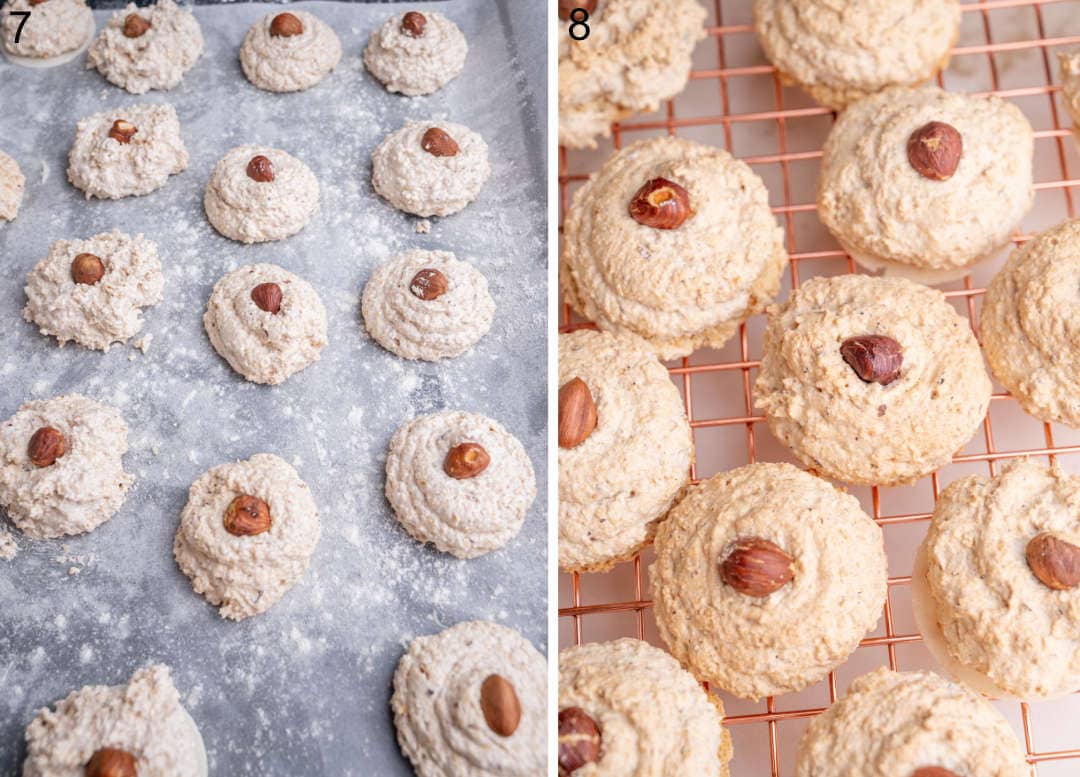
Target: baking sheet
[[304, 688]]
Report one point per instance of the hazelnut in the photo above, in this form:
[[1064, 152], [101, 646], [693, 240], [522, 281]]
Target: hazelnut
[[36, 2], [567, 6], [438, 143], [579, 740], [135, 26], [260, 169], [1054, 561], [933, 771], [46, 446], [661, 204], [874, 358], [111, 762], [267, 296], [246, 516], [285, 25], [577, 413], [428, 284], [122, 131], [413, 23], [756, 567], [87, 268], [500, 705], [934, 150], [466, 460]]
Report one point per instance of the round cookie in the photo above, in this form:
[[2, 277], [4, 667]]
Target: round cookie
[[92, 291], [895, 204], [637, 53], [1070, 80], [266, 322], [55, 32], [427, 305], [142, 719], [1030, 325], [247, 534], [257, 194], [896, 724], [289, 52], [126, 152], [459, 481], [632, 709], [12, 185], [825, 589], [674, 241], [60, 466], [147, 48], [416, 53], [871, 380], [618, 482], [430, 168], [841, 52], [472, 700]]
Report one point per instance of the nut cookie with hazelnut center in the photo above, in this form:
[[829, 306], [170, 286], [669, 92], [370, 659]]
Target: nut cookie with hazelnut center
[[12, 185], [459, 481], [671, 240], [61, 468], [472, 700], [871, 380], [56, 31], [416, 53], [247, 534], [625, 448], [289, 52]]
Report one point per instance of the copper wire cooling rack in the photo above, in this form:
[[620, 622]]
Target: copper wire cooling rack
[[736, 101]]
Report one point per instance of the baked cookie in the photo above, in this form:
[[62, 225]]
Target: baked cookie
[[430, 168], [60, 466], [147, 48], [246, 534], [995, 584], [459, 481], [415, 53], [289, 52], [637, 53], [106, 731], [266, 322], [12, 185], [55, 32], [257, 194], [917, 724], [1070, 81], [766, 579], [625, 448], [629, 708], [1030, 325], [871, 380], [841, 51], [472, 700], [427, 305], [673, 241], [126, 152], [93, 291], [924, 182]]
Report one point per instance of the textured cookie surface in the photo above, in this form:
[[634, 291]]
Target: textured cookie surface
[[289, 63], [843, 50], [1070, 79], [465, 517], [53, 29], [766, 646], [1030, 324], [81, 489], [878, 205], [416, 64], [655, 719], [616, 485], [680, 288], [891, 724], [441, 724], [860, 432], [12, 185], [246, 575]]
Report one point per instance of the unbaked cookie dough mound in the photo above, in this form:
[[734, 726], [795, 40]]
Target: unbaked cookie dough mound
[[56, 31], [638, 53], [1030, 325], [93, 291], [766, 579], [430, 168], [672, 240], [289, 52], [1070, 80], [416, 53], [631, 710], [899, 724], [843, 51], [459, 481], [926, 180], [472, 700], [12, 185], [60, 466], [247, 534], [427, 305], [625, 448], [139, 728], [257, 194], [266, 322], [871, 380], [147, 48], [126, 152]]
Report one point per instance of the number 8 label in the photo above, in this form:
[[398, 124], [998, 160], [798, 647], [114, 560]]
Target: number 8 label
[[579, 30]]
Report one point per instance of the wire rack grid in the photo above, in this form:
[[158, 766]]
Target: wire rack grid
[[1006, 47]]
